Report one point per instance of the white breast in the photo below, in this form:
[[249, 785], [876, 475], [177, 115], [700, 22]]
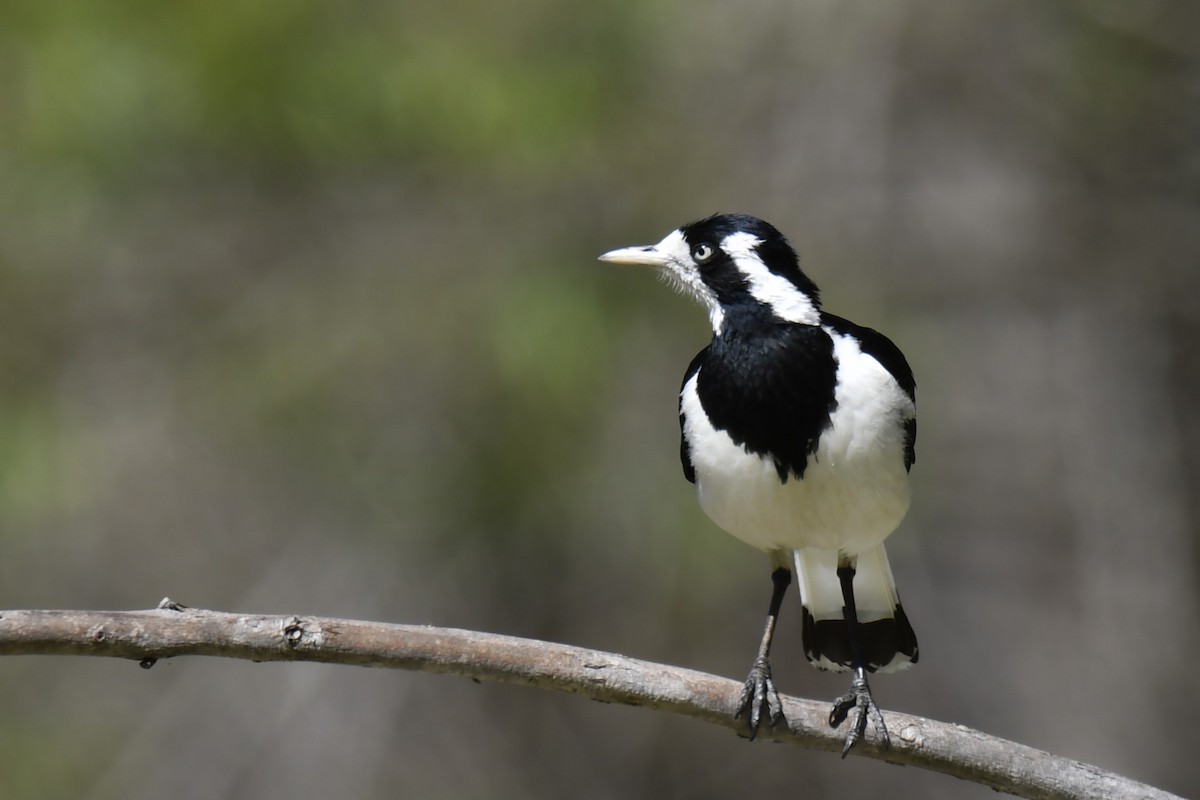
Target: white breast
[[854, 492]]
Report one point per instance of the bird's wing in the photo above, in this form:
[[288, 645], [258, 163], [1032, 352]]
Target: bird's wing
[[685, 457], [879, 347]]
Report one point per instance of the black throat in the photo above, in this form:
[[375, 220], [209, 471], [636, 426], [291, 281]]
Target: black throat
[[769, 385]]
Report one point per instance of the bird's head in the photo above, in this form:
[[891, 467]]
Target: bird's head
[[731, 261]]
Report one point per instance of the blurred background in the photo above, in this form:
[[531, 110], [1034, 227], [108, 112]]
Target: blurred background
[[300, 313]]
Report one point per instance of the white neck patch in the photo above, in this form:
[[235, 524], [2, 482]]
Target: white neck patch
[[786, 301]]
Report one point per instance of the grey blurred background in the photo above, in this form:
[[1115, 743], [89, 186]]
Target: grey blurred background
[[300, 313]]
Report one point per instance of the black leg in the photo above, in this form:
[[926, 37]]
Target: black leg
[[759, 692], [858, 699]]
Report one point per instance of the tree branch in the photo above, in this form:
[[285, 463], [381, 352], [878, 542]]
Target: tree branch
[[174, 630]]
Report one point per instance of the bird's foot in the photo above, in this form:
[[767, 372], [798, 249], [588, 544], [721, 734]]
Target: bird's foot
[[859, 701], [759, 695]]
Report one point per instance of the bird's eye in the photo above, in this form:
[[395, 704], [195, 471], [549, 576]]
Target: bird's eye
[[703, 252]]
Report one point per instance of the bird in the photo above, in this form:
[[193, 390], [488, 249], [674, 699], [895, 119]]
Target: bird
[[798, 429]]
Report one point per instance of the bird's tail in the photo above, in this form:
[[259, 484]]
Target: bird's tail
[[887, 639]]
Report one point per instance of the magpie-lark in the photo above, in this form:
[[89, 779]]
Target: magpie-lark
[[798, 429]]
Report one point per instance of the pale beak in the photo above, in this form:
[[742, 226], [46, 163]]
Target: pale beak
[[648, 256]]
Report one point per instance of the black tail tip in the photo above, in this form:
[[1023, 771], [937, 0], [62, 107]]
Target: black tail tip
[[887, 644]]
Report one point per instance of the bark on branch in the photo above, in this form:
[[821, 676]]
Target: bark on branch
[[173, 630]]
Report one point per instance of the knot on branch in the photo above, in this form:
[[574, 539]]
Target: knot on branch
[[299, 632]]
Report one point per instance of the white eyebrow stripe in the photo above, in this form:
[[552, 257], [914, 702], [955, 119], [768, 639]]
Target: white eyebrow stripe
[[786, 301]]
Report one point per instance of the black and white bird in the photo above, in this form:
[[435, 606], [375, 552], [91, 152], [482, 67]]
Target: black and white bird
[[798, 429]]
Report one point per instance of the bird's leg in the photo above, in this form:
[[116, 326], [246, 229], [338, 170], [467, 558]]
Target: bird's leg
[[858, 699], [759, 692]]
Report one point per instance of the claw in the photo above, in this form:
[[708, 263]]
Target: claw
[[758, 694], [858, 700]]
